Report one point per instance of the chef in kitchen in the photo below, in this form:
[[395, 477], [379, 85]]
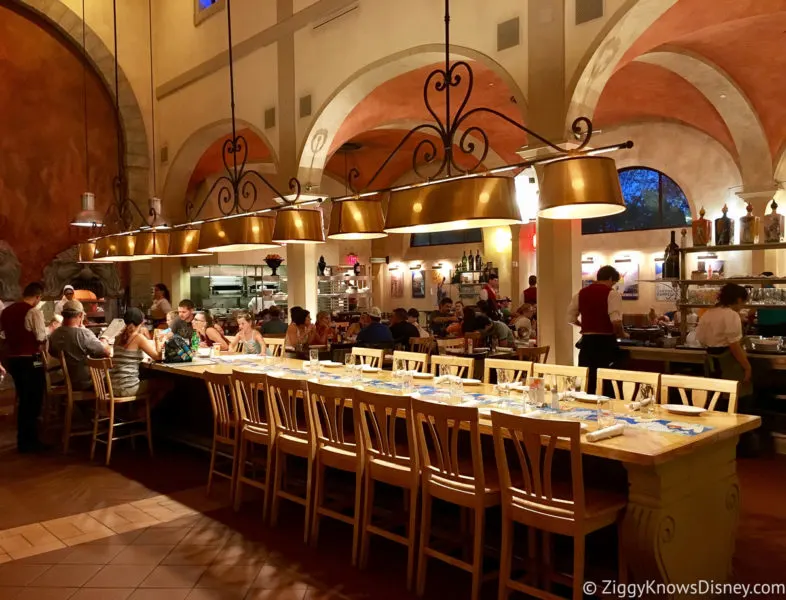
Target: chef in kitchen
[[597, 310]]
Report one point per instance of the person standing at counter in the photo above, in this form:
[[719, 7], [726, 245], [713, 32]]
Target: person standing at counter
[[162, 304], [720, 331], [597, 310], [68, 294], [530, 295], [489, 290]]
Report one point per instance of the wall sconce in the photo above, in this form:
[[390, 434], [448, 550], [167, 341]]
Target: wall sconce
[[436, 266], [708, 256], [393, 267], [416, 267]]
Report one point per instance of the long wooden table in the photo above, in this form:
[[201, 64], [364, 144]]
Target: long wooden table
[[683, 491]]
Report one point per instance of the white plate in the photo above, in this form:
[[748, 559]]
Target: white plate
[[418, 375], [589, 398], [684, 409], [471, 381], [330, 363], [370, 369]]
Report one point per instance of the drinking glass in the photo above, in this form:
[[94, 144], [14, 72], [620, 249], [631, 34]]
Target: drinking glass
[[648, 412], [445, 371], [570, 386], [313, 355], [349, 361], [503, 386], [535, 392], [456, 390], [605, 413], [399, 373], [409, 382]]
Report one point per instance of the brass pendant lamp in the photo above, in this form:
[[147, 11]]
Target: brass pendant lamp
[[355, 219], [86, 252], [296, 225], [237, 234], [184, 243], [117, 248]]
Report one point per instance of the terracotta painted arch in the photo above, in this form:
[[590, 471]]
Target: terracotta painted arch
[[318, 141], [198, 153], [137, 150]]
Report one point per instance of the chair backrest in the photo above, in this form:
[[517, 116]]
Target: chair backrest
[[539, 354], [66, 375], [421, 344], [376, 419], [222, 401], [445, 343], [438, 428], [695, 391], [535, 442], [329, 405], [285, 396], [251, 409], [415, 361], [518, 370], [626, 385], [276, 345], [369, 356], [461, 366], [543, 370], [102, 384]]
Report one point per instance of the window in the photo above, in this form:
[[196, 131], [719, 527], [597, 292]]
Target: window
[[652, 200], [206, 8], [442, 238]]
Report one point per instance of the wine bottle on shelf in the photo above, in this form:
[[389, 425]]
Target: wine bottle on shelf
[[671, 259], [478, 262], [464, 263]]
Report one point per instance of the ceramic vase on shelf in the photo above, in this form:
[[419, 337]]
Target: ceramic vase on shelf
[[671, 259], [749, 227], [321, 265], [773, 226], [724, 229], [701, 229]]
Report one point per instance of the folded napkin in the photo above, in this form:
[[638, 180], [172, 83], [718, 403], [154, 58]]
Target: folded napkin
[[607, 432], [641, 404]]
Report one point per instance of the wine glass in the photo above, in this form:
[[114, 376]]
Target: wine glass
[[605, 413]]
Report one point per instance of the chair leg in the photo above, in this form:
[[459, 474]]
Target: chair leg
[[212, 465], [233, 476], [111, 433], [149, 427], [548, 578], [425, 534], [477, 551], [578, 567], [411, 535], [356, 520], [368, 509], [506, 556], [621, 558], [309, 499], [319, 497], [69, 415], [268, 479], [241, 472], [96, 418], [276, 488]]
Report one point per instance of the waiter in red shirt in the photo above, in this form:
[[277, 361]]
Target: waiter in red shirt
[[25, 332], [489, 290], [597, 309]]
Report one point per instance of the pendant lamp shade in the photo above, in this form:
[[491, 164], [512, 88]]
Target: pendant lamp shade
[[152, 244], [87, 252], [88, 216], [356, 220], [581, 187], [237, 234], [452, 205], [299, 226], [184, 242], [117, 248]]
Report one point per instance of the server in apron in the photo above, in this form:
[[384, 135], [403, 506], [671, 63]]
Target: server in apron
[[597, 309], [720, 331]]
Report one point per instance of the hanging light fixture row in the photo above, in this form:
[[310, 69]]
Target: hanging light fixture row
[[575, 183]]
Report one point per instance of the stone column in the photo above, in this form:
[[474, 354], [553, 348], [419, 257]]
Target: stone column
[[558, 251], [762, 260]]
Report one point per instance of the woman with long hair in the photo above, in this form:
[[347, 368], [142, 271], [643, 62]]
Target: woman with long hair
[[248, 340], [322, 332], [208, 334], [162, 304], [299, 330], [129, 351]]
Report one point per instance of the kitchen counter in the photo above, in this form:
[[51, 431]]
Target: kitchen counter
[[692, 355]]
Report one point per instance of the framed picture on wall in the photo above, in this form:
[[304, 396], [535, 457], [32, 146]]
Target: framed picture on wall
[[628, 286], [664, 292], [589, 272], [418, 284], [396, 284]]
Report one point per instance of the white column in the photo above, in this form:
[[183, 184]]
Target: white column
[[302, 262]]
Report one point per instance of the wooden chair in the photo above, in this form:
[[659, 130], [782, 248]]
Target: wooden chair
[[695, 391], [423, 345], [337, 449], [226, 425], [293, 434], [460, 366], [446, 476], [542, 370], [539, 354], [70, 398], [626, 385], [254, 429], [532, 497], [389, 460], [518, 370], [415, 361], [105, 410], [276, 345], [444, 343], [369, 356]]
